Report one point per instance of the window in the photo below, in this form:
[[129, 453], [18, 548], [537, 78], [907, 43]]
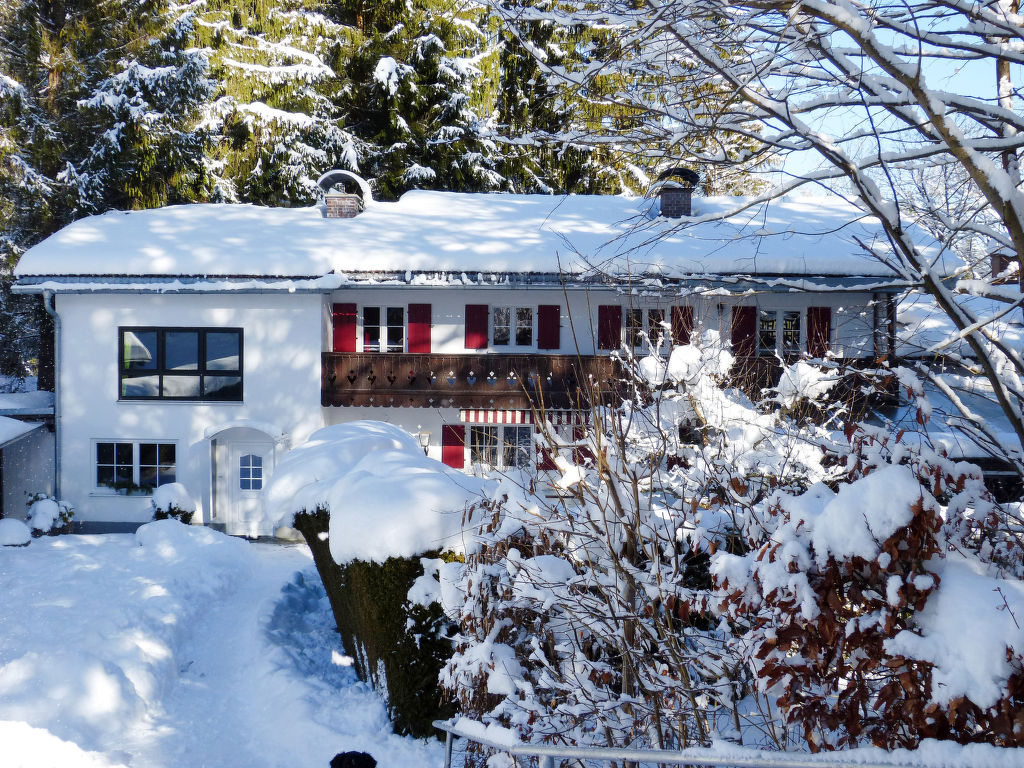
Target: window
[[483, 445], [131, 466], [250, 472], [778, 331], [383, 329], [636, 327], [513, 326], [515, 443], [180, 363]]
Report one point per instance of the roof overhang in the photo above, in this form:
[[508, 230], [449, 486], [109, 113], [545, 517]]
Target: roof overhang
[[305, 284]]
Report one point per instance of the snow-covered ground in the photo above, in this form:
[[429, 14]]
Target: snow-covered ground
[[178, 646]]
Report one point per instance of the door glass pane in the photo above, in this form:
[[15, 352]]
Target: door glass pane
[[766, 331], [502, 326], [396, 329], [517, 449], [182, 350], [371, 329], [524, 326], [634, 327], [791, 332], [223, 351], [655, 327], [250, 472], [139, 350], [483, 445]]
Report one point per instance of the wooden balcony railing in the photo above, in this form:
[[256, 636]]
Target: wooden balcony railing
[[464, 381]]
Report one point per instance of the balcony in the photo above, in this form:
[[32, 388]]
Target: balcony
[[463, 381]]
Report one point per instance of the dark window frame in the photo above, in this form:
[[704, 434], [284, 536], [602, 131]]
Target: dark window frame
[[201, 372]]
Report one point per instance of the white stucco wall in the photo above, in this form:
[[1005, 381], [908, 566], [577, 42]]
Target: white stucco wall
[[281, 383]]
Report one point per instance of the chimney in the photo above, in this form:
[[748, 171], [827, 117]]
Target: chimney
[[999, 263], [676, 202], [677, 196], [339, 203]]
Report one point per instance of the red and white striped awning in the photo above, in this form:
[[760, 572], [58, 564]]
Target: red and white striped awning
[[484, 416]]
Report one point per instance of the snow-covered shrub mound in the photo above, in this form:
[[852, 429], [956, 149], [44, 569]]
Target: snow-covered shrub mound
[[14, 533], [173, 501], [46, 514], [170, 542], [385, 498], [28, 747]]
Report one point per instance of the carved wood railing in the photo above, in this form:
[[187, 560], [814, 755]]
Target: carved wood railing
[[464, 381]]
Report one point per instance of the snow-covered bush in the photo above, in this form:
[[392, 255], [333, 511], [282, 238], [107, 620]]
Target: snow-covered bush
[[592, 619], [173, 500], [14, 533], [48, 516], [867, 613]]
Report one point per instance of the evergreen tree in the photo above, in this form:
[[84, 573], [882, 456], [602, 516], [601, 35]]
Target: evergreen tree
[[537, 115], [409, 98], [280, 67]]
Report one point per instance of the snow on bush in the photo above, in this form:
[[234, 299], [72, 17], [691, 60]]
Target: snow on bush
[[46, 514], [14, 533], [173, 500], [385, 498]]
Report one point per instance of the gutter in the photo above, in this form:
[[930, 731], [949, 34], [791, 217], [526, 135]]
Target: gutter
[[51, 310]]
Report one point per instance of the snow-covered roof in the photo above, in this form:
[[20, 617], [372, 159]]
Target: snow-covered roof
[[474, 233], [31, 403], [12, 430]]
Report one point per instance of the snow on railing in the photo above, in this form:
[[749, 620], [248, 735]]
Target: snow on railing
[[738, 757]]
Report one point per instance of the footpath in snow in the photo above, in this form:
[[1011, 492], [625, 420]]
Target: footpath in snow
[[178, 647]]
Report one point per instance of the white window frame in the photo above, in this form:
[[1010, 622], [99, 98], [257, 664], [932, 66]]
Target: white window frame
[[501, 445], [137, 464], [644, 340], [513, 326], [383, 326]]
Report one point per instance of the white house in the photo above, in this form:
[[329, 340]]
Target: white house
[[198, 343]]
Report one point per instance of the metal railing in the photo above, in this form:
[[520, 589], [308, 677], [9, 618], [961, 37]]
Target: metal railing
[[697, 756]]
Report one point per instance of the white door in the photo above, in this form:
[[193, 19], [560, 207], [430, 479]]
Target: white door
[[249, 467]]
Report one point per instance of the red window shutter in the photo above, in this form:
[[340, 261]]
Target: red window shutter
[[343, 321], [548, 331], [419, 329], [582, 454], [682, 325], [476, 326], [609, 326], [744, 331], [545, 461], [819, 330], [453, 441]]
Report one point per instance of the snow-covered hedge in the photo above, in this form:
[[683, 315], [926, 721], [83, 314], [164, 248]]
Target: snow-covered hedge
[[385, 498]]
